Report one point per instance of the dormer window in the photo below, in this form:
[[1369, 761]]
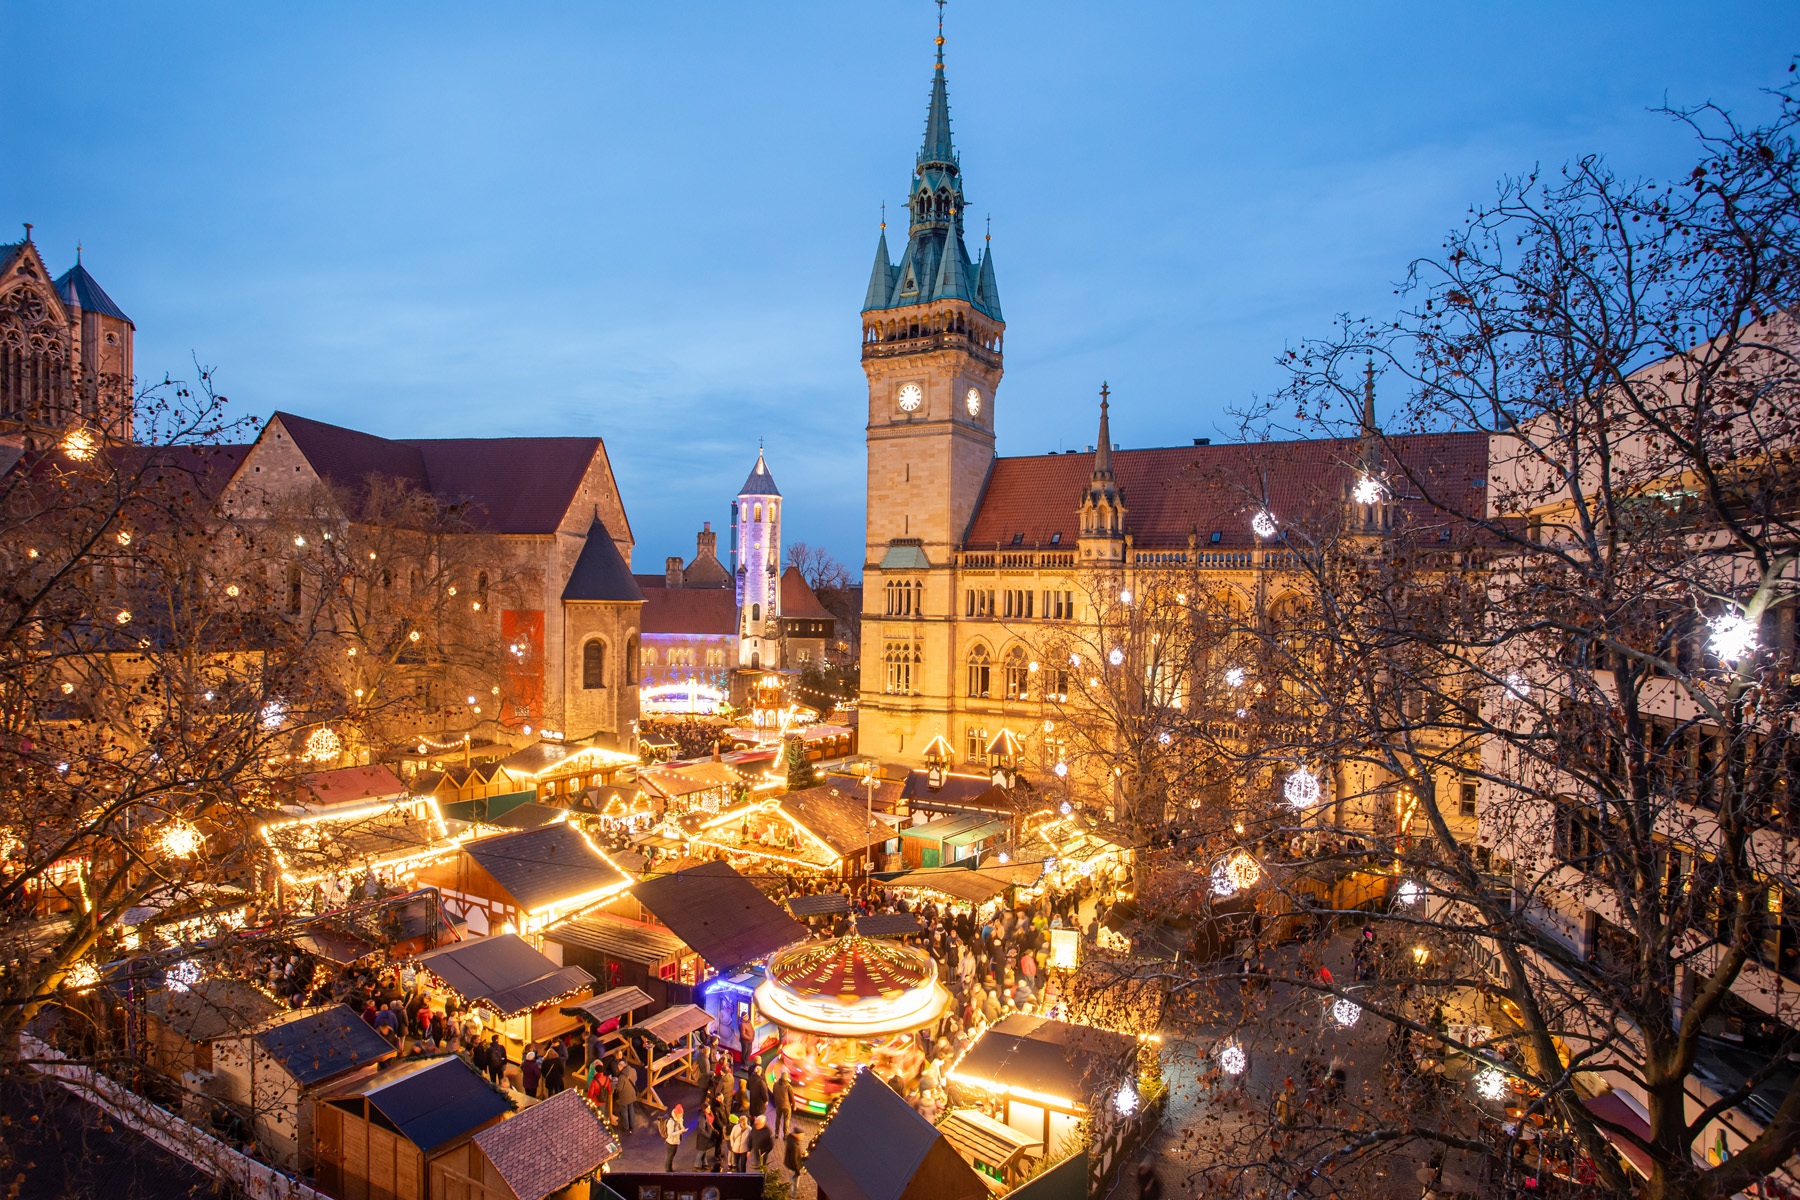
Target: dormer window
[[1056, 538], [1217, 535], [1018, 539]]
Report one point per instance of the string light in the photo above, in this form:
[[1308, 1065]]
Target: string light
[[1733, 637], [124, 617], [1126, 1101], [181, 840], [273, 714], [124, 537], [414, 635], [1302, 787], [1410, 892], [1125, 596], [83, 975], [1263, 524], [1235, 677], [182, 976], [299, 541], [79, 445], [231, 589], [1116, 656], [1490, 1084], [68, 689], [1062, 772], [1368, 490]]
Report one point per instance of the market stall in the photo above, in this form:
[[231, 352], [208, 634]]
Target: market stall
[[513, 989], [608, 1013], [998, 1152], [667, 1046], [877, 1147], [846, 1004], [1046, 1075], [346, 848]]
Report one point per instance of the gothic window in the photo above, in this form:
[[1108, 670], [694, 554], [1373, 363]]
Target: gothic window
[[755, 613], [975, 744], [979, 602], [1018, 673], [981, 671], [593, 664], [631, 659], [905, 597], [899, 659]]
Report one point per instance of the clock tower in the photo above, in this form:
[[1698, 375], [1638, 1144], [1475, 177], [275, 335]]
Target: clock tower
[[931, 349]]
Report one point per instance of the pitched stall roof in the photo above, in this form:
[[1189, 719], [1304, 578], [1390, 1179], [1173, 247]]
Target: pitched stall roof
[[212, 1008], [877, 1145], [544, 865], [314, 1044], [515, 485], [628, 940], [548, 1146], [352, 784], [434, 1101], [841, 821], [600, 572], [1052, 1058], [889, 924], [1170, 491], [709, 612], [720, 915], [503, 972], [354, 837], [822, 904], [610, 1005], [957, 791]]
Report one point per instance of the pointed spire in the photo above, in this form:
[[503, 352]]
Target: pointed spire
[[937, 148], [881, 276], [951, 279], [987, 289], [1103, 450], [1368, 413]]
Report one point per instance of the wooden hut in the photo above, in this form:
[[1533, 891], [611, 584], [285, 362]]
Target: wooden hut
[[376, 1136], [877, 1147], [1047, 1074], [609, 1012], [525, 882], [949, 840], [620, 953], [182, 1025], [514, 989], [558, 1144], [997, 1152]]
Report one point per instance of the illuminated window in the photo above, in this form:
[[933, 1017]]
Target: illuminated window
[[1018, 673], [981, 671]]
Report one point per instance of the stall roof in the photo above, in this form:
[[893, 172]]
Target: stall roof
[[629, 940], [502, 971], [822, 904], [548, 1146], [608, 1005], [947, 826], [840, 820], [889, 924], [976, 833], [212, 1008], [887, 791], [528, 816], [877, 1145], [334, 946], [672, 1023], [957, 791], [1049, 1057], [435, 1100], [317, 1043], [353, 785], [975, 887], [983, 1139], [544, 865], [720, 915], [335, 841]]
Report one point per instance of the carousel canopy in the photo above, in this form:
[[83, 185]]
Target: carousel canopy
[[852, 986]]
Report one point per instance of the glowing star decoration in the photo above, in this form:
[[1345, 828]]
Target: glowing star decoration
[[1163, 738], [79, 445], [299, 541], [1065, 807], [1369, 490], [1234, 677], [231, 590], [1410, 892], [1062, 770], [124, 617], [1301, 788], [414, 635], [124, 537], [273, 714], [1126, 1102], [323, 744], [1125, 596], [181, 840], [1074, 660], [1242, 870], [82, 976], [1346, 1013], [1516, 686], [68, 689], [1263, 524], [1116, 656], [1223, 886], [1732, 637], [1490, 1085], [182, 976], [1232, 1059]]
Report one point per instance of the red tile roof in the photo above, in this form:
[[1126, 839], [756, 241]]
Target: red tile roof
[[353, 784], [798, 600], [1171, 491], [688, 610], [518, 485], [548, 1146]]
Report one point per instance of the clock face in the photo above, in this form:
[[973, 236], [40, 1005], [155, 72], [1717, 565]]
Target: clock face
[[973, 400], [911, 396]]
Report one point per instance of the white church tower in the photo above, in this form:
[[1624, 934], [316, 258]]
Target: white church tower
[[759, 569]]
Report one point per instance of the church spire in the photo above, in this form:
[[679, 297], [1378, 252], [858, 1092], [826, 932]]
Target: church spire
[[937, 150], [881, 276], [1103, 470]]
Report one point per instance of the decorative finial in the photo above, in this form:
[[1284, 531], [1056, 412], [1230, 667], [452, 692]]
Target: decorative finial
[[940, 36], [990, 228], [1104, 393], [884, 216], [78, 254], [28, 231]]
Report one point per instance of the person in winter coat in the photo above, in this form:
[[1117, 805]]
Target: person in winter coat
[[625, 1096], [740, 1144], [783, 1096], [672, 1128], [706, 1140], [552, 1071], [759, 1093], [761, 1141], [531, 1070], [790, 1156], [496, 1060]]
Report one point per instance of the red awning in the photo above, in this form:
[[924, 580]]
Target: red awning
[[1609, 1107]]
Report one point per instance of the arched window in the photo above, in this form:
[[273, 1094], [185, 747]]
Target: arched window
[[759, 512], [981, 671], [771, 512], [631, 660], [1018, 674], [755, 660], [593, 664], [755, 614]]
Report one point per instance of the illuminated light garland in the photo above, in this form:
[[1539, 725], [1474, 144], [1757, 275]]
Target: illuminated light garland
[[82, 976], [273, 714], [1263, 524], [1234, 677], [1490, 1084], [1301, 788], [1126, 1102], [1115, 656], [1369, 490], [1410, 892], [323, 744], [180, 840], [1516, 687], [182, 976], [80, 445]]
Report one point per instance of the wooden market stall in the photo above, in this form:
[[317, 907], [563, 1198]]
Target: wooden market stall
[[620, 953], [950, 839], [527, 881], [997, 1152], [339, 848], [1047, 1075], [608, 1013], [183, 1024], [667, 1046], [513, 989], [555, 769], [819, 829], [916, 1161], [557, 1145], [376, 1137]]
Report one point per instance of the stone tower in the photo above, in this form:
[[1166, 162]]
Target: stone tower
[[932, 337], [1103, 510], [758, 533]]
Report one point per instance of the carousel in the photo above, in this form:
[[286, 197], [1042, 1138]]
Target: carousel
[[846, 1004]]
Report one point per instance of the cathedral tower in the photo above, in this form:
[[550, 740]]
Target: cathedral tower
[[758, 536], [931, 349]]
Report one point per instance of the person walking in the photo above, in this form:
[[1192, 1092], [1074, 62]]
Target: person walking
[[496, 1060], [672, 1128], [758, 1093], [783, 1096], [761, 1141], [791, 1157], [740, 1144], [531, 1070], [625, 1096], [552, 1071], [706, 1140]]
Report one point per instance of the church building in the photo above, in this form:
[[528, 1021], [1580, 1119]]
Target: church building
[[65, 353]]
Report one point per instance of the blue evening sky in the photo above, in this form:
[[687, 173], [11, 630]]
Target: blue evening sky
[[655, 222]]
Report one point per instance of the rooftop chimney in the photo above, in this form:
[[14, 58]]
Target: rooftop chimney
[[1202, 441], [706, 543], [672, 571]]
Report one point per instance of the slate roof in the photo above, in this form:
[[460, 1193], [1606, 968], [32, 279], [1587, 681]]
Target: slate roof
[[436, 1100], [502, 971], [548, 1146], [821, 904], [720, 915], [759, 482], [518, 485], [541, 866], [78, 287], [702, 611], [873, 1146], [1050, 1057], [840, 819], [799, 601], [600, 572], [1170, 491], [889, 924], [212, 1008], [629, 940], [318, 1043]]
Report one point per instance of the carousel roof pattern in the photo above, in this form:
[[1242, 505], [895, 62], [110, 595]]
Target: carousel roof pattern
[[849, 969]]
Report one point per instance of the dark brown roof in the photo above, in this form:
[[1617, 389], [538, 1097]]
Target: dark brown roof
[[798, 601], [688, 610], [876, 1144], [548, 1146], [840, 819], [720, 915], [628, 940], [518, 485], [957, 791], [1049, 1057], [544, 865], [1170, 491], [503, 971], [616, 1003]]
